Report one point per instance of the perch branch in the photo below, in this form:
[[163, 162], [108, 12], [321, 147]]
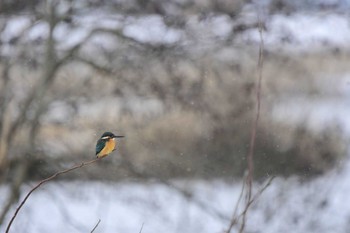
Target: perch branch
[[83, 164]]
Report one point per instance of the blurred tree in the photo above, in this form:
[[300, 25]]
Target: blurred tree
[[182, 90]]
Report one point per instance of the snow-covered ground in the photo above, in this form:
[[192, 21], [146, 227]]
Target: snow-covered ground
[[288, 205]]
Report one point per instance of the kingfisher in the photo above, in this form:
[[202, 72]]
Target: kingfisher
[[106, 144]]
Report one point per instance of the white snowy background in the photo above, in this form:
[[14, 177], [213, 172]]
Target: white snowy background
[[289, 205]]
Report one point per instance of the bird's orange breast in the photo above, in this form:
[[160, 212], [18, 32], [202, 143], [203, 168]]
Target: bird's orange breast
[[109, 147]]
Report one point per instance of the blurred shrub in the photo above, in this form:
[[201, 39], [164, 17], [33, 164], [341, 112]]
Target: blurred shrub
[[183, 114]]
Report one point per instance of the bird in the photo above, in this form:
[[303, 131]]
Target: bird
[[106, 144]]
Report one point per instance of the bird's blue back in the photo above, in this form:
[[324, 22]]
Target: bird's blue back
[[100, 145]]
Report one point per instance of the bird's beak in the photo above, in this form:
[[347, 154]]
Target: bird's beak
[[117, 136]]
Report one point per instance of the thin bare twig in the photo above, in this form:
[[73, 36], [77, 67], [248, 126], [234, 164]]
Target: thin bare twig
[[253, 199], [234, 219], [239, 198], [257, 116], [95, 226], [250, 156], [257, 195], [83, 164], [141, 227], [20, 173]]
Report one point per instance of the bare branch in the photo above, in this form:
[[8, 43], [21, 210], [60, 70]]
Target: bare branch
[[141, 227], [83, 164], [20, 174], [47, 78], [250, 156], [5, 118], [235, 218], [254, 130], [255, 125], [95, 226], [94, 65]]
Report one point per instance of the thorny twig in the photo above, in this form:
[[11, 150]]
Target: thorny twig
[[83, 164]]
